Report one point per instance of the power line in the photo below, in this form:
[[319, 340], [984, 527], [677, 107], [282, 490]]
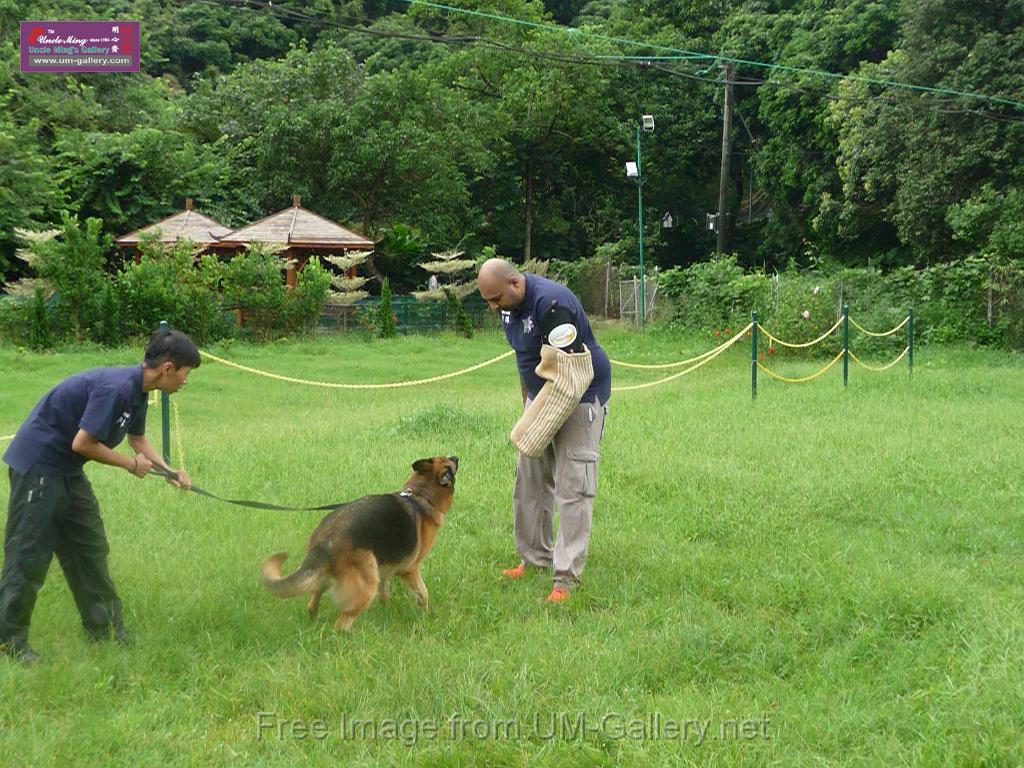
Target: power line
[[717, 57], [651, 61]]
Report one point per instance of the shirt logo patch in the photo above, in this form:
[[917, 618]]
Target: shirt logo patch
[[528, 324], [506, 317], [123, 419], [562, 336]]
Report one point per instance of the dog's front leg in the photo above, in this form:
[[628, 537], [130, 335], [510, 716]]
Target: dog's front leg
[[414, 581]]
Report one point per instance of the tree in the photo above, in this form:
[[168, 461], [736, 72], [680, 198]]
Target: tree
[[132, 179], [348, 287], [917, 162], [71, 261], [196, 38], [28, 190], [277, 119], [793, 147], [399, 154], [385, 315], [550, 125], [448, 264]]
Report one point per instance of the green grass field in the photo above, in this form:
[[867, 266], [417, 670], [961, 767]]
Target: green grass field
[[820, 577]]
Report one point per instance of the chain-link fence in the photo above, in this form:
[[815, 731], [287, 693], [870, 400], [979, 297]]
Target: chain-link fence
[[411, 316]]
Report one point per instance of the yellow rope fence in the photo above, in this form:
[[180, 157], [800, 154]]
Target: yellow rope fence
[[866, 332], [804, 345], [710, 353], [708, 357], [697, 362], [177, 435], [802, 379], [694, 363], [334, 385], [879, 369], [836, 359]]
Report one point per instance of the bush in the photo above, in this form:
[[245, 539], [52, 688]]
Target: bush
[[385, 314], [253, 283], [716, 294], [27, 321], [167, 284], [72, 264], [305, 304], [949, 300], [458, 318]]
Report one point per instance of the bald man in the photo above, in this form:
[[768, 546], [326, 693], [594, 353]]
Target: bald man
[[565, 476]]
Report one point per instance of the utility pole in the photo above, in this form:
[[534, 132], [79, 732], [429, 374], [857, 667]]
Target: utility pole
[[723, 181]]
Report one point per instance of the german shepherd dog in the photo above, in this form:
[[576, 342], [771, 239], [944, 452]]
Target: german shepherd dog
[[357, 548]]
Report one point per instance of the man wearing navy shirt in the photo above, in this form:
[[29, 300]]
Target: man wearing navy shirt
[[52, 508], [565, 476]]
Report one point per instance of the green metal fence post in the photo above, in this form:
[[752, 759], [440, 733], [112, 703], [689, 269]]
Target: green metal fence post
[[165, 413], [846, 344], [753, 356], [640, 224], [910, 340]]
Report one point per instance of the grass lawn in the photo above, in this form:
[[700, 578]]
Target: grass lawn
[[820, 577]]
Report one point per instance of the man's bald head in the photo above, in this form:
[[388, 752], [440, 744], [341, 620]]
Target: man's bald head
[[501, 285], [496, 269]]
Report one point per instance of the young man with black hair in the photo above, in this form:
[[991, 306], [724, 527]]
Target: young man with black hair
[[52, 508]]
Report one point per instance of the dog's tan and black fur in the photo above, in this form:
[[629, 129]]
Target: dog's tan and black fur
[[357, 548]]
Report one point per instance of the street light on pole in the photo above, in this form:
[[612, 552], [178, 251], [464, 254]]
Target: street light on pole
[[635, 171]]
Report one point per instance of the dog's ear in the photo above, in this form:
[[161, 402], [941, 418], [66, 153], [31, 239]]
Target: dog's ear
[[423, 466], [447, 477]]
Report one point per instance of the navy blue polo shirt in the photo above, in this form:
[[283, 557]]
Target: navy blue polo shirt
[[523, 333], [108, 403]]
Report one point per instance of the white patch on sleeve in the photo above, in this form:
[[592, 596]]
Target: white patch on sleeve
[[562, 336]]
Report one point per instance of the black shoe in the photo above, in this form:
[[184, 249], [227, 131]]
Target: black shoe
[[20, 652], [121, 635]]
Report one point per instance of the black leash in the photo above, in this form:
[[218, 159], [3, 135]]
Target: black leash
[[155, 470]]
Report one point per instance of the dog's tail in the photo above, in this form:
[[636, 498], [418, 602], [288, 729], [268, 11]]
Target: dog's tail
[[309, 577]]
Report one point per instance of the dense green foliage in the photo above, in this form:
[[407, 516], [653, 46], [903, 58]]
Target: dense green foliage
[[951, 302], [204, 298], [477, 131]]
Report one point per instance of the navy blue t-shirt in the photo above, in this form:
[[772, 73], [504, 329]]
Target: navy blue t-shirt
[[108, 403], [522, 329]]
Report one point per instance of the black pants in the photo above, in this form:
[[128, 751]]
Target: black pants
[[47, 515]]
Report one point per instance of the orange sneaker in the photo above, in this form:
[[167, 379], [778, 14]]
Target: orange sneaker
[[558, 595], [515, 573]]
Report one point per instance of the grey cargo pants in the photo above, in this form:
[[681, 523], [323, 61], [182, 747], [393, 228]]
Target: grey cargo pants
[[563, 478]]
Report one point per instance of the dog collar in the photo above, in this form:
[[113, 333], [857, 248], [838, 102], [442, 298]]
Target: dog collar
[[416, 504], [420, 506]]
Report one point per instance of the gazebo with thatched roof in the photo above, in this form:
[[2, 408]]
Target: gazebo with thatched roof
[[302, 234], [188, 224]]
